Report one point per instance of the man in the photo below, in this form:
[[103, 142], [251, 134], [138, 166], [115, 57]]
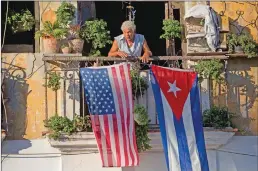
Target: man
[[130, 44]]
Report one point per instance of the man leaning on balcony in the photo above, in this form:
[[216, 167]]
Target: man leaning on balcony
[[130, 44]]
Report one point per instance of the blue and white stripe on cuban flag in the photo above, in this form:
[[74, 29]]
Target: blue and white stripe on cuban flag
[[177, 101]]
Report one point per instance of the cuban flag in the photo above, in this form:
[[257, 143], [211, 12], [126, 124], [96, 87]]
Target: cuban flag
[[177, 101]]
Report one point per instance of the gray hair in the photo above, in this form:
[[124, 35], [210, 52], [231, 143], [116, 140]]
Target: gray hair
[[128, 25]]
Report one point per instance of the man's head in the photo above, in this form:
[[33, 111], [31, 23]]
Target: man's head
[[128, 28]]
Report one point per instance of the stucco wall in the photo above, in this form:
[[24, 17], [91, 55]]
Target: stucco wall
[[39, 155], [233, 21], [25, 94], [241, 92]]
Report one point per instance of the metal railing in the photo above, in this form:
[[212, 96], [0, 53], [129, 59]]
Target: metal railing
[[70, 98]]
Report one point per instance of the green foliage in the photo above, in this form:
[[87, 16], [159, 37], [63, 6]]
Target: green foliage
[[171, 28], [51, 31], [81, 123], [54, 81], [95, 32], [59, 125], [218, 117], [65, 13], [209, 69], [23, 21], [139, 84], [141, 127], [249, 46], [140, 115]]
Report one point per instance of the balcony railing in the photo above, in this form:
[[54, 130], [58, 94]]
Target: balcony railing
[[69, 99]]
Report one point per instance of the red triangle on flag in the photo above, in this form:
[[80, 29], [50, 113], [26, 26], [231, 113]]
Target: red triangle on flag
[[175, 85]]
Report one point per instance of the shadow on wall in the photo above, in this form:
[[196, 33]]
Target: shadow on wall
[[15, 91], [242, 92]]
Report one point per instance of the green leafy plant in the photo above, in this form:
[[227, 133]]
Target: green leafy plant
[[65, 13], [218, 117], [141, 127], [95, 32], [82, 124], [51, 31], [21, 21], [171, 28], [209, 69], [58, 125], [54, 81], [139, 84], [249, 46]]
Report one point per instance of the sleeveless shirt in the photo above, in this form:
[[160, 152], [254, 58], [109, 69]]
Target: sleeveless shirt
[[135, 50]]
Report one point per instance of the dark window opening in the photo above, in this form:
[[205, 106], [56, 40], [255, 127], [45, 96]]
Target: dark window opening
[[26, 37], [178, 50], [148, 20]]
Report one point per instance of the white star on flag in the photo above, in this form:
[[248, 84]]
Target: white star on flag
[[173, 88]]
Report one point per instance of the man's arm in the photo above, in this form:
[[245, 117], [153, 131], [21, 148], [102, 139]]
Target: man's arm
[[114, 51], [147, 52]]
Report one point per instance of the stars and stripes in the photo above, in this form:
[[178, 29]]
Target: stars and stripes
[[108, 94]]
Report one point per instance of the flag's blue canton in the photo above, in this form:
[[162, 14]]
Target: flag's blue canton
[[98, 91]]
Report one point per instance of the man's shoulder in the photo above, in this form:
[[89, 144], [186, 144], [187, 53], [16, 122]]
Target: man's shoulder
[[140, 36]]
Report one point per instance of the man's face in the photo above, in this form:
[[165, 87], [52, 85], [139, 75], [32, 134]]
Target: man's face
[[128, 34]]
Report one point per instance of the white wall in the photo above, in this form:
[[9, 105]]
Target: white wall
[[240, 154]]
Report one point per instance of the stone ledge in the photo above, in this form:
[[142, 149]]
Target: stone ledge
[[85, 141]]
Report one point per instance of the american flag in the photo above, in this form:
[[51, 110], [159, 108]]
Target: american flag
[[108, 93]]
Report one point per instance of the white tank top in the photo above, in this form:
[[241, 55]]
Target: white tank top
[[135, 50]]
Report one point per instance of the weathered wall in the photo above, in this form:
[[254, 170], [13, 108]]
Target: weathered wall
[[238, 16], [241, 92], [25, 93]]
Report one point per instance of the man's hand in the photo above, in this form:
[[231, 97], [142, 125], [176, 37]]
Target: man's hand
[[145, 59], [122, 54]]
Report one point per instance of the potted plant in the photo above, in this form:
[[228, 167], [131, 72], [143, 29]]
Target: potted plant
[[75, 38], [51, 33], [242, 43], [65, 48], [65, 13], [172, 30], [96, 34], [234, 44], [21, 21]]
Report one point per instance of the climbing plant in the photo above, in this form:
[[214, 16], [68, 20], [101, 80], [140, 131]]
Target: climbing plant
[[209, 69], [141, 127], [54, 81]]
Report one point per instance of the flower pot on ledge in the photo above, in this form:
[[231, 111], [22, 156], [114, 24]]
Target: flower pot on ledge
[[81, 141], [50, 45]]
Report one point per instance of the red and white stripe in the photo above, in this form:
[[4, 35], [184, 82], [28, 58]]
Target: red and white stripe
[[115, 133]]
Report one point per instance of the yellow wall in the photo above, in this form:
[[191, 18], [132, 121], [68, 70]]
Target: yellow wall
[[23, 87], [230, 10], [240, 94]]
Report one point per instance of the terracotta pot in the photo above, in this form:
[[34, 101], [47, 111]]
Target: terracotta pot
[[77, 45], [66, 50], [50, 45]]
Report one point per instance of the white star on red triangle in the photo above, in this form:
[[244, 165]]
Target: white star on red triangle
[[173, 88]]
